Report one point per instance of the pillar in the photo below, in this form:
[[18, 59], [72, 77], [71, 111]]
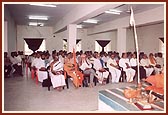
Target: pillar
[[72, 34], [121, 40]]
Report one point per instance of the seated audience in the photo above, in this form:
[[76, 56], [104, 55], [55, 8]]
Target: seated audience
[[145, 63], [7, 65], [56, 73], [125, 64], [101, 72], [16, 63], [86, 67], [152, 62], [133, 64], [113, 69], [71, 70]]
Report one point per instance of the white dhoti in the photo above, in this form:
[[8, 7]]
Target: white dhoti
[[42, 75], [130, 73], [157, 70], [148, 71], [102, 75], [115, 74], [57, 80]]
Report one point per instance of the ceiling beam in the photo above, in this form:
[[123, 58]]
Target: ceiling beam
[[81, 13]]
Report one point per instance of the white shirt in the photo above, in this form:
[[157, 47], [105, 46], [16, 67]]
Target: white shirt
[[13, 60], [40, 63], [111, 61], [61, 59], [85, 65], [97, 64], [18, 60], [144, 62], [35, 62], [104, 59], [133, 62], [123, 61], [160, 61]]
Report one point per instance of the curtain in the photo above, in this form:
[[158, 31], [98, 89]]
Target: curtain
[[103, 43], [162, 39], [77, 41], [33, 44], [65, 40]]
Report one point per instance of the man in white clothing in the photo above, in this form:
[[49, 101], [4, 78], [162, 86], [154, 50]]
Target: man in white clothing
[[114, 69], [101, 72], [86, 67], [145, 63], [41, 68], [56, 73], [16, 63], [125, 64]]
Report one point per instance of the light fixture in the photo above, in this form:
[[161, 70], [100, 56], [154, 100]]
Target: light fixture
[[45, 5], [79, 26], [113, 11], [109, 12], [91, 21], [38, 17], [36, 24]]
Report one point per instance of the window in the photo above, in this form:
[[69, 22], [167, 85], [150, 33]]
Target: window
[[29, 51], [65, 45], [98, 48]]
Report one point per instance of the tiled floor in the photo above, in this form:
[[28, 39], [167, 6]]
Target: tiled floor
[[22, 94]]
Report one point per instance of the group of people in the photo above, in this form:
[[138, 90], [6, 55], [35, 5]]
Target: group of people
[[76, 65], [12, 64]]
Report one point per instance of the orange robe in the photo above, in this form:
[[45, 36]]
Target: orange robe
[[157, 82], [76, 75]]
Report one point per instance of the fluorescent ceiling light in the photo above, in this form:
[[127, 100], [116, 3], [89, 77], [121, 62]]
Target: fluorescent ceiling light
[[114, 10], [109, 12], [91, 21], [45, 5], [38, 17], [35, 24], [79, 26]]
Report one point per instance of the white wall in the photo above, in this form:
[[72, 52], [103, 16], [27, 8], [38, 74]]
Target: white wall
[[147, 38], [11, 31]]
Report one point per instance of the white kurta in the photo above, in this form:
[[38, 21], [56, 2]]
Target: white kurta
[[130, 73], [115, 73], [133, 62], [98, 66], [145, 62], [57, 80], [42, 75]]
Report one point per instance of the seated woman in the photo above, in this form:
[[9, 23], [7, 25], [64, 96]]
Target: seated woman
[[56, 73], [72, 71]]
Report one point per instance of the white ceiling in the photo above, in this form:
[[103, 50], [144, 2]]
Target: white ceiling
[[20, 12]]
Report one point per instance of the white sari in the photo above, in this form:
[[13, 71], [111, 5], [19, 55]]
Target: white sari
[[57, 80]]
